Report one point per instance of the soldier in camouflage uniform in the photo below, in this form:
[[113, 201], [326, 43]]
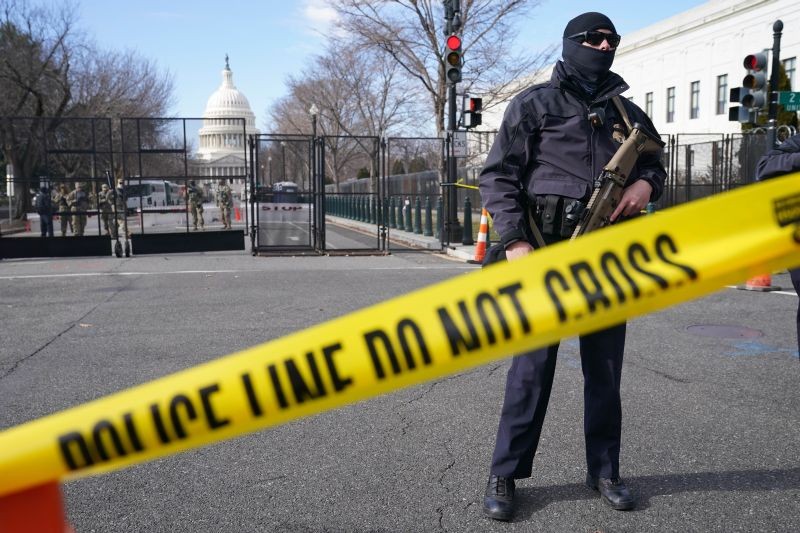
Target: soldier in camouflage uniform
[[62, 206], [105, 201], [78, 202], [195, 204], [225, 203]]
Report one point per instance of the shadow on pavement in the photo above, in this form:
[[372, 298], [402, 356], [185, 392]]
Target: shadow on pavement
[[530, 500]]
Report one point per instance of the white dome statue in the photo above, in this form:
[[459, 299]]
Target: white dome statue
[[223, 130]]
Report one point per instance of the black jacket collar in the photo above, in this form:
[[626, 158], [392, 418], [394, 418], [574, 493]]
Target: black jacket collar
[[612, 85]]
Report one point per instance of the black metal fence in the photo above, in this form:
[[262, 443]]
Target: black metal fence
[[369, 179]]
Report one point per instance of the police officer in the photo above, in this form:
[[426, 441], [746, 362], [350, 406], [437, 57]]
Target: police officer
[[554, 140], [105, 199], [62, 206], [195, 205], [121, 204], [783, 160], [44, 207], [225, 203]]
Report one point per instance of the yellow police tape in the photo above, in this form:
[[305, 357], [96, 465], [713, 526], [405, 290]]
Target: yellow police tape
[[567, 289]]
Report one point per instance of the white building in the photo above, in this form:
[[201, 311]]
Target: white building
[[680, 69], [227, 121]]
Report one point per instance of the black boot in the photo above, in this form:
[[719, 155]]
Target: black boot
[[613, 492], [498, 500]]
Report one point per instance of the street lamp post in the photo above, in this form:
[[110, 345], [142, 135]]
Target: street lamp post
[[314, 110], [283, 159], [269, 170]]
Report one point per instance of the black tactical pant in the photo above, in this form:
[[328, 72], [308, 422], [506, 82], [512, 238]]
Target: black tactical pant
[[794, 273], [528, 386], [527, 393]]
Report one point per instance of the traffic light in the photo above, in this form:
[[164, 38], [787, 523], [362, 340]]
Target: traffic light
[[472, 115], [755, 80], [452, 59], [752, 96]]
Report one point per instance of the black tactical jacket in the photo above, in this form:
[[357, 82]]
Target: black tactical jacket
[[546, 145], [781, 160]]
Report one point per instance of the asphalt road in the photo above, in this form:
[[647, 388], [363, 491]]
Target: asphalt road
[[710, 431]]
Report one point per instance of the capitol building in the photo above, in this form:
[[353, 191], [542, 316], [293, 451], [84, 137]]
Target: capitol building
[[227, 122]]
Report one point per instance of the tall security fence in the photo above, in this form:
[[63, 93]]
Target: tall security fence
[[142, 185], [702, 165], [697, 165], [285, 190]]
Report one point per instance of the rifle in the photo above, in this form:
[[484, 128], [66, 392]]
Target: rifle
[[608, 186]]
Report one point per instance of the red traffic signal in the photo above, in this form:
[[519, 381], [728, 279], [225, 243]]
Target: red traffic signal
[[472, 113], [453, 59], [475, 105], [454, 42], [755, 62]]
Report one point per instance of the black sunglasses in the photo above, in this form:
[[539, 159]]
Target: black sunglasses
[[596, 38]]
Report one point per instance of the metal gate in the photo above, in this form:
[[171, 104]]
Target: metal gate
[[291, 210], [284, 205]]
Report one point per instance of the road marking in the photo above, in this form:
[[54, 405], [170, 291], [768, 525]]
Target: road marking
[[173, 272]]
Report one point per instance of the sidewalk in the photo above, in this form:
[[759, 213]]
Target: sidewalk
[[397, 236]]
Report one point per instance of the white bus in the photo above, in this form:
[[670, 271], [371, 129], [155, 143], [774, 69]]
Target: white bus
[[152, 193]]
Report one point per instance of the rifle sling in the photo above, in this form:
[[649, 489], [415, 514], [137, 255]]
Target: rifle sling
[[621, 109]]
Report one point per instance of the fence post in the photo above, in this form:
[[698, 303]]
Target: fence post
[[467, 237], [439, 219], [409, 227], [392, 215], [428, 231]]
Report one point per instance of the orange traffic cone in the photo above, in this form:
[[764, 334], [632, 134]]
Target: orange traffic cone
[[483, 237], [237, 215], [761, 283], [36, 509]]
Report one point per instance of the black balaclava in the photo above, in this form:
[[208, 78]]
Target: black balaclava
[[586, 64]]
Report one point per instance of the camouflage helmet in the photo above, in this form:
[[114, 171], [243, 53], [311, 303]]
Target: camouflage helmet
[[104, 187]]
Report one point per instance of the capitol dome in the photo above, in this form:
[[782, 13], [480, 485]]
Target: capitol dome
[[223, 130]]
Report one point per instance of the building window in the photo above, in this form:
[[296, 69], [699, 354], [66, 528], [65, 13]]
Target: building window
[[648, 104], [789, 65], [671, 104], [694, 101], [722, 94]]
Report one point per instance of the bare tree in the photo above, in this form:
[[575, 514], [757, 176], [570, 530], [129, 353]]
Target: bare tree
[[410, 33], [356, 106], [50, 76], [35, 62]]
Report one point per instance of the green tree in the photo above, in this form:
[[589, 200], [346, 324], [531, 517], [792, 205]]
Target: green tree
[[398, 167]]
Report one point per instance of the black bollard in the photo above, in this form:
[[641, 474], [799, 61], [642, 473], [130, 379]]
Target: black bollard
[[400, 213], [467, 237], [428, 231], [418, 216]]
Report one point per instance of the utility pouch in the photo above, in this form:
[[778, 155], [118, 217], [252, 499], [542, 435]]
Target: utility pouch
[[547, 213]]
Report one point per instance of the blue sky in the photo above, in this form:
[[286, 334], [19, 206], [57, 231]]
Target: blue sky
[[267, 40]]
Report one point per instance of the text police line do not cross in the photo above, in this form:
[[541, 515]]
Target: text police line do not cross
[[566, 289]]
